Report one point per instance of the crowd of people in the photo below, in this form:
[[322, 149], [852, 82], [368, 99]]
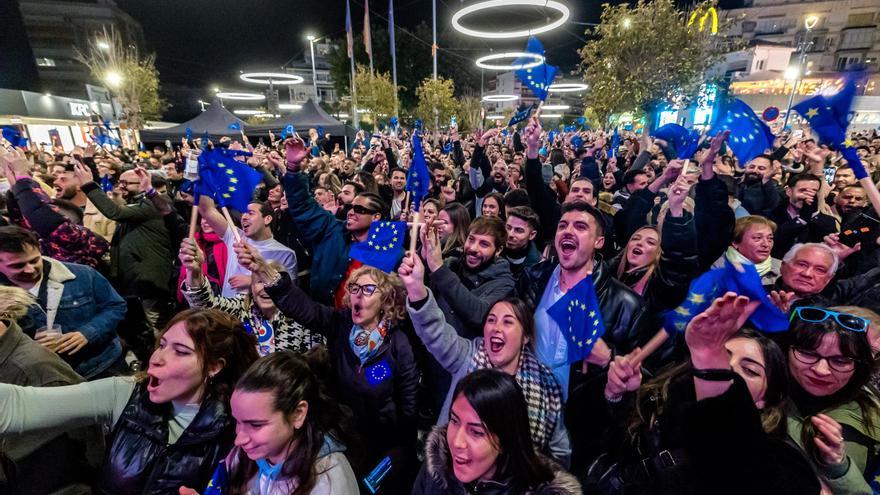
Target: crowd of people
[[257, 356]]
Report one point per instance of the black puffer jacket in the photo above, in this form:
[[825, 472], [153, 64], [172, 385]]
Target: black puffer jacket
[[437, 476], [382, 391], [622, 309], [140, 460]]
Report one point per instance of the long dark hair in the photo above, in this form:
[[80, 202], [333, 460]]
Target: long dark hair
[[290, 378], [854, 345], [498, 401], [523, 313]]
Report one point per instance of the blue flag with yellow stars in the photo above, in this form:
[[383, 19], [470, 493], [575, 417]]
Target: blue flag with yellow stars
[[230, 182], [577, 314], [383, 247], [521, 116], [418, 178], [539, 78], [744, 281], [219, 481], [683, 140], [749, 137], [829, 117], [615, 142], [13, 135], [235, 126]]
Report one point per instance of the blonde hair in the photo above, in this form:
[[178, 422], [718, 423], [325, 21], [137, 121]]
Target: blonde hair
[[14, 302], [389, 287]]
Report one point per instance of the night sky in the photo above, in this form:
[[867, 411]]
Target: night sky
[[203, 43]]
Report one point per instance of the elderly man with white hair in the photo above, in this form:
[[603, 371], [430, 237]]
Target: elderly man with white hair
[[807, 274]]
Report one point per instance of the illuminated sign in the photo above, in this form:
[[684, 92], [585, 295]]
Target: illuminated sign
[[710, 13], [79, 109]]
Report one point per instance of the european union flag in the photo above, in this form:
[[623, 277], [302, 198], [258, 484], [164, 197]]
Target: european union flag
[[581, 121], [418, 179], [577, 314], [749, 137], [539, 78], [684, 141], [393, 122], [231, 181], [219, 481], [447, 148], [383, 247], [829, 116], [189, 133], [235, 126], [576, 142], [715, 283], [287, 132], [13, 135], [615, 142], [521, 116], [106, 185]]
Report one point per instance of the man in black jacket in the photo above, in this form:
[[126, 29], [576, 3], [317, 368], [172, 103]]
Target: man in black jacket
[[757, 191], [579, 235], [798, 219]]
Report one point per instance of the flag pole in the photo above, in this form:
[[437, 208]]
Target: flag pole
[[414, 231], [393, 55], [228, 217], [193, 221], [656, 341]]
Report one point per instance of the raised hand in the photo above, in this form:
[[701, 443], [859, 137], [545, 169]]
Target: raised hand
[[83, 174], [484, 138], [843, 251], [624, 375], [706, 334], [782, 300], [717, 141], [412, 274], [431, 250], [294, 152], [248, 256], [144, 178], [830, 445]]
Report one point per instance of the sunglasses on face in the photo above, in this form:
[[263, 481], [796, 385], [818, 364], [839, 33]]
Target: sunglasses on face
[[362, 210], [812, 314], [367, 289]]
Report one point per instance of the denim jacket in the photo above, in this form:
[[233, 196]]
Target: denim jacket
[[80, 300]]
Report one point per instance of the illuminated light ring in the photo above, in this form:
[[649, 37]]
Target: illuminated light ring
[[278, 78], [567, 87], [536, 61], [290, 106], [491, 4], [500, 97], [551, 115], [247, 112], [240, 96], [494, 117], [556, 107]]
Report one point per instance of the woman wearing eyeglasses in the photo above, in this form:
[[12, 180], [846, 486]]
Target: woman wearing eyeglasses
[[834, 414], [373, 365]]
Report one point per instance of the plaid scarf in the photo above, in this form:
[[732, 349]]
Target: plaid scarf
[[540, 389]]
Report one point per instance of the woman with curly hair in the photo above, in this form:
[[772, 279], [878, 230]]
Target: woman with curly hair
[[372, 360]]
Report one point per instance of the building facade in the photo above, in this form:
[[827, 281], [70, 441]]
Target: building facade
[[301, 92]]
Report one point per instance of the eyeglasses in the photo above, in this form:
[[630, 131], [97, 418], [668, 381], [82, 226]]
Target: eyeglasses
[[841, 364], [367, 290], [127, 183], [362, 210], [813, 314]]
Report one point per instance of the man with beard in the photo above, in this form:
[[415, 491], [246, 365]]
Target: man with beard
[[329, 237], [848, 204], [68, 187], [256, 230], [579, 235], [757, 192], [522, 226], [798, 219], [140, 251], [398, 191], [468, 286]]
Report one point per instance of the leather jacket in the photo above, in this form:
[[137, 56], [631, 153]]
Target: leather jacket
[[140, 460]]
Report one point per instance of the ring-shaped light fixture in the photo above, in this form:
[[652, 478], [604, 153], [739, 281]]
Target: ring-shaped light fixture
[[494, 117], [551, 115], [500, 97], [556, 107], [247, 112], [536, 61], [227, 95], [289, 106], [492, 4], [278, 78], [567, 87]]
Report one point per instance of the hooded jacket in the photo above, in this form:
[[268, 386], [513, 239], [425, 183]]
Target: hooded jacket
[[466, 296], [437, 476]]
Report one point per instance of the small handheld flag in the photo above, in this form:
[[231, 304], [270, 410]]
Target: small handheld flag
[[383, 247], [418, 178], [235, 126], [230, 182], [749, 137], [715, 283], [13, 135], [288, 131], [684, 141], [521, 116], [219, 481], [189, 134], [615, 142], [578, 316], [106, 185], [539, 78]]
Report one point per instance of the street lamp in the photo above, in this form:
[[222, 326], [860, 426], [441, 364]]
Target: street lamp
[[809, 23], [103, 45], [113, 78], [314, 73]]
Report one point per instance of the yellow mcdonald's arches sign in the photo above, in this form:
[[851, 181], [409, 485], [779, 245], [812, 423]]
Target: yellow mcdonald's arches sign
[[709, 13]]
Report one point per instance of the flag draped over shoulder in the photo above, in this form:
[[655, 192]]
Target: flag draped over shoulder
[[228, 181], [418, 178], [539, 78], [829, 116], [577, 314], [749, 137], [383, 247], [743, 280], [683, 140]]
